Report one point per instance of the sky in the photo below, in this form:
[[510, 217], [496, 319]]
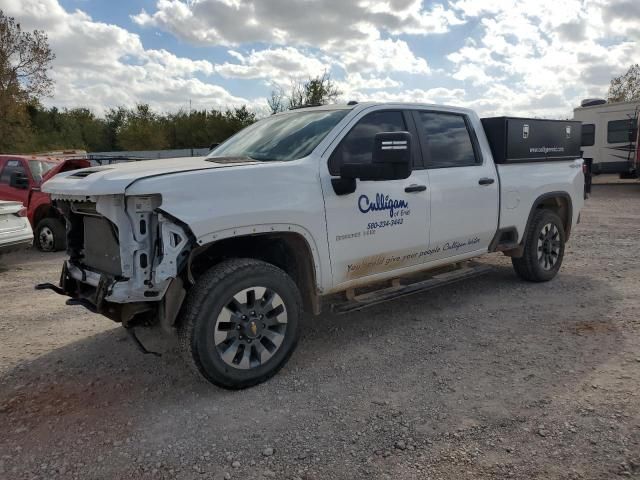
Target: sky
[[499, 57]]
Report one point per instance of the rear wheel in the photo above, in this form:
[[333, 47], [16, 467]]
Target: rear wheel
[[50, 235], [240, 323], [543, 250]]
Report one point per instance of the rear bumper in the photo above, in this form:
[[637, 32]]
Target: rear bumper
[[16, 245]]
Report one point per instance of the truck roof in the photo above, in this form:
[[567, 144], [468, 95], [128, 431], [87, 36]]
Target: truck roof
[[362, 105]]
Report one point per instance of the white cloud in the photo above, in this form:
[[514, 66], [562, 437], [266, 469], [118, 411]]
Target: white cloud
[[278, 65], [315, 24], [541, 56], [101, 65], [378, 56], [352, 34], [356, 81]]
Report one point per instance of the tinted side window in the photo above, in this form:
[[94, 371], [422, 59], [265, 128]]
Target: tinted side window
[[447, 139], [357, 145], [10, 167], [588, 134], [621, 131]]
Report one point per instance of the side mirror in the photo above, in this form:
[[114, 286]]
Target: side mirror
[[19, 180], [391, 159]]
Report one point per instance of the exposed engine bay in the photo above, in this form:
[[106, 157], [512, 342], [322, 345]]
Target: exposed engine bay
[[124, 263]]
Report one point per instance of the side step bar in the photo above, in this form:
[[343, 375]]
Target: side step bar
[[358, 302]]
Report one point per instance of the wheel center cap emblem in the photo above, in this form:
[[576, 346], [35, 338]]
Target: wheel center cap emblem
[[253, 328]]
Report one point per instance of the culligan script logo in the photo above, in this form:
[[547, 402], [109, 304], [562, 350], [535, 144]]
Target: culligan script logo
[[382, 202]]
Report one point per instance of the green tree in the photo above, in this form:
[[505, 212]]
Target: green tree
[[626, 88], [25, 60], [142, 129], [188, 129], [316, 91], [114, 119]]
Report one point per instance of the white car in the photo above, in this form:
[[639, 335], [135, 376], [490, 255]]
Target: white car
[[229, 250], [15, 230]]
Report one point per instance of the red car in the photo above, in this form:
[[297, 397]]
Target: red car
[[20, 179]]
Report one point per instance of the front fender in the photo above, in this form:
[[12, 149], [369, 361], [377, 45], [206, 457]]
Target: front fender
[[270, 228]]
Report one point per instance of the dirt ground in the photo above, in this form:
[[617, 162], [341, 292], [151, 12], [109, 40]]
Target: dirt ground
[[489, 378]]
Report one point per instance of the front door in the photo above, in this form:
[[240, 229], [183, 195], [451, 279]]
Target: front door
[[9, 166], [463, 186], [383, 225]]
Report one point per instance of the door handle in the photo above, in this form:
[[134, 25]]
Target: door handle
[[486, 181], [415, 188]]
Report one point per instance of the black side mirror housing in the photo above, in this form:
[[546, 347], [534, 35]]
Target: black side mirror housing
[[19, 180], [391, 159]]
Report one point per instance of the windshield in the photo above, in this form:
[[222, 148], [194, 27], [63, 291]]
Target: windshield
[[39, 168], [281, 137]]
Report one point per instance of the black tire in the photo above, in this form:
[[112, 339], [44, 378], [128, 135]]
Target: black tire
[[212, 298], [50, 235], [543, 248]]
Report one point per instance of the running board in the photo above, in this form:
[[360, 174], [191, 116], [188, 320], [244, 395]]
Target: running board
[[358, 302]]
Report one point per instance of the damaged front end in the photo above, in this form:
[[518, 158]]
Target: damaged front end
[[127, 258]]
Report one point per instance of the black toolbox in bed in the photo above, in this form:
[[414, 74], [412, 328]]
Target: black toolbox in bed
[[520, 140]]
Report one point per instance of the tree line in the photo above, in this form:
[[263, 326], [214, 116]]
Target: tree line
[[122, 128]]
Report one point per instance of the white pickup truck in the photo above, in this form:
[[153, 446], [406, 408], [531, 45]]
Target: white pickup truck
[[229, 250]]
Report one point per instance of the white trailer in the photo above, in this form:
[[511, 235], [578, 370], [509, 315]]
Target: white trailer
[[609, 136]]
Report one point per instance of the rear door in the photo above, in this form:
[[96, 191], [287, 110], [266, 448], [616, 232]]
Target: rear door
[[463, 185], [383, 225]]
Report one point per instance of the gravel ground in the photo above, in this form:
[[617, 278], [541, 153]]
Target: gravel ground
[[489, 378]]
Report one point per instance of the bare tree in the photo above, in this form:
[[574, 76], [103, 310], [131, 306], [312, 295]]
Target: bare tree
[[25, 59], [626, 87], [277, 101]]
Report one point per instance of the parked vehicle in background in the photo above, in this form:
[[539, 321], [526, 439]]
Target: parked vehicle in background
[[21, 178], [609, 136], [229, 250], [15, 230]]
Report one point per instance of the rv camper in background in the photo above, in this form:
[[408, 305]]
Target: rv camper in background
[[610, 136]]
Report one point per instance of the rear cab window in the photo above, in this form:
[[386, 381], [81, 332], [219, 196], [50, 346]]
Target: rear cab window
[[446, 140]]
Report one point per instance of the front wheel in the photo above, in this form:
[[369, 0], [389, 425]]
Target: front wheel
[[543, 249], [240, 322]]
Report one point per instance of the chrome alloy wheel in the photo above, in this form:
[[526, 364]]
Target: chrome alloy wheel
[[250, 328], [548, 246], [46, 239]]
